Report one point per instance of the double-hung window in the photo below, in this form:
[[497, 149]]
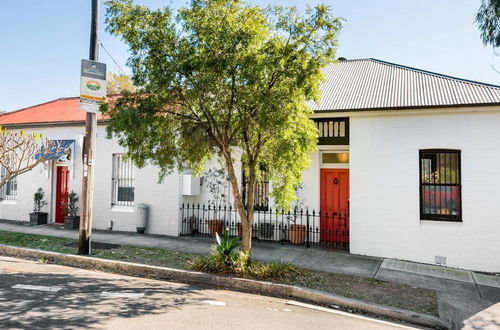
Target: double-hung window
[[440, 185], [123, 181], [9, 190], [261, 191]]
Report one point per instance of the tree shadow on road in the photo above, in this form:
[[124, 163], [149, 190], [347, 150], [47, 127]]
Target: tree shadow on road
[[79, 303]]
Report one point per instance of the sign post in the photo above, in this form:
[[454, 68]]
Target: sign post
[[92, 90], [92, 85]]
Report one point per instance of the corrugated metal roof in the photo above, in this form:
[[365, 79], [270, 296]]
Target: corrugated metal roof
[[370, 84]]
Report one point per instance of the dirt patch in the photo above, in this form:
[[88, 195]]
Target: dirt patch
[[369, 290], [95, 245]]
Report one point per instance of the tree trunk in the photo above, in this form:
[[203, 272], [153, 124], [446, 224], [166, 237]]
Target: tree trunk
[[246, 216]]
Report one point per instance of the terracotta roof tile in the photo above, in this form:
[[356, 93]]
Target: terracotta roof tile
[[62, 110]]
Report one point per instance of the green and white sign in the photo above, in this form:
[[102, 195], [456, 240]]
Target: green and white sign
[[92, 85]]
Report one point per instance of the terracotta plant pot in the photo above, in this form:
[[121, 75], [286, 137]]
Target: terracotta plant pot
[[216, 226], [297, 234]]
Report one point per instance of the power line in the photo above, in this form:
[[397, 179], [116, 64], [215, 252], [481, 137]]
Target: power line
[[118, 65]]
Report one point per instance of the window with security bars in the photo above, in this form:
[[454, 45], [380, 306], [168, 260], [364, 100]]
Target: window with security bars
[[261, 191], [9, 190], [440, 185], [123, 181]]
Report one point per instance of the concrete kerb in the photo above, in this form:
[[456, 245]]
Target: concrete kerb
[[231, 283]]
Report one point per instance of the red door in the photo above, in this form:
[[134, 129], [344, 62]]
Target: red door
[[61, 193], [335, 206]]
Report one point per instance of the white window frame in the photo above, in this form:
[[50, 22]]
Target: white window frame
[[122, 176], [12, 184]]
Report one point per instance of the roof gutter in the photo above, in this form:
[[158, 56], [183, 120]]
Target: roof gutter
[[52, 124], [423, 107]]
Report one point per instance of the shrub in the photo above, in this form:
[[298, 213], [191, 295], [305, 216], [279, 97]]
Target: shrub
[[72, 205], [226, 260], [226, 247], [39, 200]]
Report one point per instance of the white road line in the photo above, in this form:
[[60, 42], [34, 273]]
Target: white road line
[[214, 302], [328, 310], [37, 287], [131, 295]]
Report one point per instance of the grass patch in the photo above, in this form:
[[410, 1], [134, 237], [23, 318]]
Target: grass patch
[[368, 290]]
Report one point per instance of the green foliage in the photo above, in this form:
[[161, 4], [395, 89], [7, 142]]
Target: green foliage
[[226, 247], [39, 200], [225, 259], [488, 19], [72, 205], [255, 269], [223, 79], [222, 74]]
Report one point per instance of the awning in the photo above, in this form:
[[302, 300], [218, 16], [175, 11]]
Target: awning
[[58, 153]]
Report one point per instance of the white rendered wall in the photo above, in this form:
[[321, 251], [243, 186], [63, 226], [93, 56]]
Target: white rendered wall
[[42, 176], [385, 219], [163, 199]]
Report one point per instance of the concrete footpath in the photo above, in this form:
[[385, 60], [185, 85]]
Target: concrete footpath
[[460, 293]]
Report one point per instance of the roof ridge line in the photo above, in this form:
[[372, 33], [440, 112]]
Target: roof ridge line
[[441, 75], [37, 105]]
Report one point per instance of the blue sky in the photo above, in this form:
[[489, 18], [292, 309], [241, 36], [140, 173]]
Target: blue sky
[[42, 41]]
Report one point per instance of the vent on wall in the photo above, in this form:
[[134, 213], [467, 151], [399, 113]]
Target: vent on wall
[[440, 260]]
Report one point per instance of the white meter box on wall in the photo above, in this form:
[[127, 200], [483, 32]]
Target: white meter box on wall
[[190, 185]]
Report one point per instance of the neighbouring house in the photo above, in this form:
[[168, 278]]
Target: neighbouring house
[[407, 168]]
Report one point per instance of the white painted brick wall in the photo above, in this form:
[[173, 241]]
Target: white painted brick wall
[[385, 218], [162, 198]]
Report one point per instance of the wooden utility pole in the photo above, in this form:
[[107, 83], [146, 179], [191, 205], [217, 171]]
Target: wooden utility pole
[[88, 153]]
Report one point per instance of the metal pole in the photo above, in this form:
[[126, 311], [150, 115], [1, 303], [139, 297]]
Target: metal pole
[[88, 152]]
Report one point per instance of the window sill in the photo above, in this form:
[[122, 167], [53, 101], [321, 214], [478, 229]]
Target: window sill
[[8, 201], [427, 222], [442, 220], [119, 208]]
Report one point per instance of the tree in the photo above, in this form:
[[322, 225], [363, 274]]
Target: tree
[[118, 83], [223, 78], [488, 19], [21, 152]]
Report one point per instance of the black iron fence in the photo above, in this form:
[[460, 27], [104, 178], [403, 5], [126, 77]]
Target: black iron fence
[[300, 226]]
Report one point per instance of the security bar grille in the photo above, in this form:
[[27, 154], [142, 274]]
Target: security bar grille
[[440, 185], [261, 191], [123, 181], [9, 190]]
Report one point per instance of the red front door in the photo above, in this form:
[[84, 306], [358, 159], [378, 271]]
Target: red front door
[[61, 193], [334, 206]]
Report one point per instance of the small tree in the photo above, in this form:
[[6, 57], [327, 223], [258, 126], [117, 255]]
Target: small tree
[[39, 200], [72, 205], [215, 179], [21, 152], [223, 78]]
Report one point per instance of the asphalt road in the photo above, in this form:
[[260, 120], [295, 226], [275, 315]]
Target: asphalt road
[[35, 295]]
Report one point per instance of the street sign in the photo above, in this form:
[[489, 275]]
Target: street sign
[[92, 85]]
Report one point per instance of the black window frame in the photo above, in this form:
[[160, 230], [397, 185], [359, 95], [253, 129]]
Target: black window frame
[[433, 155], [261, 186]]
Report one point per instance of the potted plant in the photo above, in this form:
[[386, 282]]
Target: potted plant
[[297, 232], [215, 180], [38, 217], [72, 219]]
